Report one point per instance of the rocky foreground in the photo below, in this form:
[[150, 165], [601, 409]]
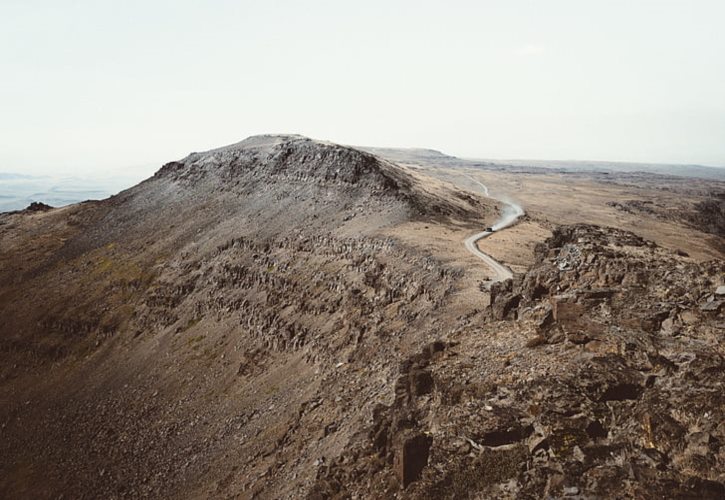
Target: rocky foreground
[[599, 373], [243, 324]]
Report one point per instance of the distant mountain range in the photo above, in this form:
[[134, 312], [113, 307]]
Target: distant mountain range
[[698, 171], [432, 157]]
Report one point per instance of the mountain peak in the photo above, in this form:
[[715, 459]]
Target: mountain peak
[[308, 169], [261, 142]]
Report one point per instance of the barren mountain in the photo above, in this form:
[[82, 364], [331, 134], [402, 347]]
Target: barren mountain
[[195, 333], [286, 318]]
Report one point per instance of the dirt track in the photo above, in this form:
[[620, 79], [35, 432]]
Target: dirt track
[[511, 214]]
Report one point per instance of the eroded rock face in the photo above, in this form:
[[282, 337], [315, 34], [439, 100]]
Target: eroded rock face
[[621, 394], [38, 206], [264, 160], [707, 215], [411, 456]]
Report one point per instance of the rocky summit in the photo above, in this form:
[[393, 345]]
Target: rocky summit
[[288, 318]]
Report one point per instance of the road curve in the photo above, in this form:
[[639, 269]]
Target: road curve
[[511, 212]]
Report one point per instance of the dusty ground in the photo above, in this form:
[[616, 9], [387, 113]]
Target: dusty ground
[[561, 199], [445, 242], [570, 198], [515, 246]]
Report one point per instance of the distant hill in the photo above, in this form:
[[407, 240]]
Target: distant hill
[[411, 155], [432, 157], [697, 171]]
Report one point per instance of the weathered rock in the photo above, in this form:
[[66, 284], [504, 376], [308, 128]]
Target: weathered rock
[[38, 206], [421, 382], [712, 307], [411, 456]]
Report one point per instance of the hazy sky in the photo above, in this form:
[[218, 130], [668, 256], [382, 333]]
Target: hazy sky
[[95, 85]]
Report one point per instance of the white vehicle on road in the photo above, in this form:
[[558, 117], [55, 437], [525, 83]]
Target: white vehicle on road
[[511, 213]]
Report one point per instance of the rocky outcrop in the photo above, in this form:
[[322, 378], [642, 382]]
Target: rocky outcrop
[[595, 374], [638, 322], [706, 215], [299, 161], [38, 206], [709, 215]]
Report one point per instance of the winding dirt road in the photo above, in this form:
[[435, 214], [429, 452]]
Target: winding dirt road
[[512, 211]]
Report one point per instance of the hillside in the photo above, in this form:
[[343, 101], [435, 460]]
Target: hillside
[[287, 318], [194, 331]]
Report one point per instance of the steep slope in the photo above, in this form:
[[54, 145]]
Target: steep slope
[[219, 328], [266, 188]]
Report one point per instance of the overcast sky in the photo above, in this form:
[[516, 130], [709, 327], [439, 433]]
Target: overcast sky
[[96, 85]]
